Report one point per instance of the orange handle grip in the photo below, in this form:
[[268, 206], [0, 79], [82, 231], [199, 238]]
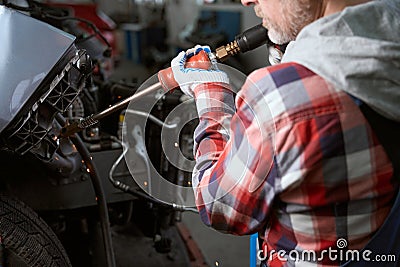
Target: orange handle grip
[[166, 76]]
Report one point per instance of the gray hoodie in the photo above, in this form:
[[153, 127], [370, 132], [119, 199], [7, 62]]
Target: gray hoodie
[[358, 51]]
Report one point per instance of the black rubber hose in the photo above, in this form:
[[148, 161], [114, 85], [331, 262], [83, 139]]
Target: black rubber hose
[[99, 191]]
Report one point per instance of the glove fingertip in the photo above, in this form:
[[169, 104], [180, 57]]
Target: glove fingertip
[[182, 54], [207, 49], [198, 49]]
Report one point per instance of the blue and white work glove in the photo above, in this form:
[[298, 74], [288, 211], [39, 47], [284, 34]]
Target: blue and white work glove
[[189, 78]]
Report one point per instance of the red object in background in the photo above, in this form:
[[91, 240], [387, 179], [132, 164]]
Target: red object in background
[[90, 11]]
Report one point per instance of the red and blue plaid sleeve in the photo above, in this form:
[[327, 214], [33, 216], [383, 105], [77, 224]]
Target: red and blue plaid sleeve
[[234, 153]]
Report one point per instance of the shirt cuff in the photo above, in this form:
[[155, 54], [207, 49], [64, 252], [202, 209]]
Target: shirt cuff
[[215, 98]]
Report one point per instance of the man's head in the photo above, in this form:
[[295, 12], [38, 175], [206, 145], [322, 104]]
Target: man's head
[[284, 19]]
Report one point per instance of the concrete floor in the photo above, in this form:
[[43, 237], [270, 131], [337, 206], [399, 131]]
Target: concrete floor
[[218, 249]]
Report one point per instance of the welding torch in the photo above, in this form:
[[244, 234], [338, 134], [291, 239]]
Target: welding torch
[[246, 41]]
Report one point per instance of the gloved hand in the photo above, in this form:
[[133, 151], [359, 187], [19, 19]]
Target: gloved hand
[[189, 78]]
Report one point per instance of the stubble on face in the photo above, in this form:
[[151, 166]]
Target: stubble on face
[[292, 16]]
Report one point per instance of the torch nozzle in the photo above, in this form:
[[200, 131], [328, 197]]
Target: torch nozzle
[[246, 41]]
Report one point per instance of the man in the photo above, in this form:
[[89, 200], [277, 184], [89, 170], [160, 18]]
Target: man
[[294, 158]]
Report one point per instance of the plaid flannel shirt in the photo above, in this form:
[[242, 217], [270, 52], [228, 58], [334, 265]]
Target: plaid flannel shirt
[[293, 159]]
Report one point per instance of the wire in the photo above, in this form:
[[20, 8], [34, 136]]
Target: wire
[[19, 8], [126, 188], [154, 119], [87, 22], [99, 191]]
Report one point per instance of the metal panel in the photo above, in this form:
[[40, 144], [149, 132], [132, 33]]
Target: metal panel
[[29, 49]]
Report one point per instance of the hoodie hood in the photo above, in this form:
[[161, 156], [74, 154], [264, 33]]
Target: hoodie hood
[[358, 51]]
